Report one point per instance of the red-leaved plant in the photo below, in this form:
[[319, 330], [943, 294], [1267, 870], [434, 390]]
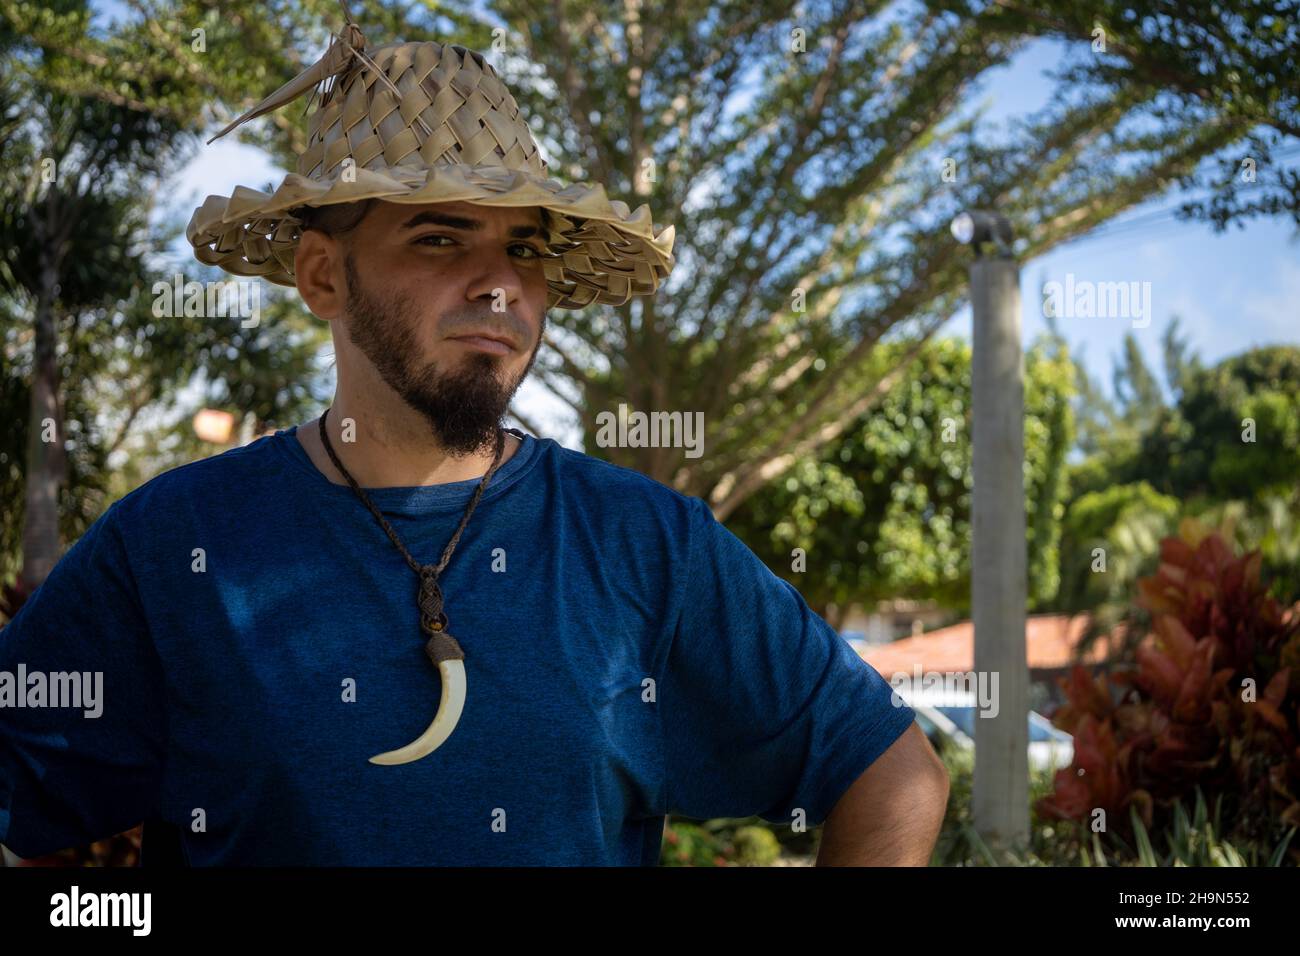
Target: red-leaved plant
[[1207, 697]]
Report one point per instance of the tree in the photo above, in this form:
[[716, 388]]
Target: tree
[[1113, 426], [811, 211], [1108, 540], [1229, 64], [1234, 432], [94, 122], [1226, 452], [844, 122], [884, 512], [71, 162]]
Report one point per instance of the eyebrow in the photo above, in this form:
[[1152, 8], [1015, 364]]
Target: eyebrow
[[461, 222]]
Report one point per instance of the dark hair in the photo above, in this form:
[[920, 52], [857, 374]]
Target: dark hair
[[548, 224], [340, 218], [334, 219]]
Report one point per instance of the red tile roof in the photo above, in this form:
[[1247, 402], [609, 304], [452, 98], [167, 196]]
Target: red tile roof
[[1049, 640]]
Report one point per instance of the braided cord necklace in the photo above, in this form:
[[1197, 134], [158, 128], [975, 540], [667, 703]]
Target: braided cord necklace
[[440, 646]]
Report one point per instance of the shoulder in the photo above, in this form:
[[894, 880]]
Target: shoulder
[[202, 483], [610, 483], [691, 532], [628, 510]]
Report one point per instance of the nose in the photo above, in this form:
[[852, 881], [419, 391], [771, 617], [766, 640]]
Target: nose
[[496, 280]]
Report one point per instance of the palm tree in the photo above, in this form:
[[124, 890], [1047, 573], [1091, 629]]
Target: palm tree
[[69, 225]]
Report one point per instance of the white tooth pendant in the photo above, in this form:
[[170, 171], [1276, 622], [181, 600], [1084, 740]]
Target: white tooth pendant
[[447, 655], [441, 647]]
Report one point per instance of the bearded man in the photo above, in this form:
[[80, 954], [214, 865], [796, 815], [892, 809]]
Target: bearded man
[[402, 633]]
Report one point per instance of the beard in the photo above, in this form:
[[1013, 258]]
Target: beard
[[465, 405]]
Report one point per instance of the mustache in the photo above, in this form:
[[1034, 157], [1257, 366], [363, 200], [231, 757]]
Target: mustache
[[495, 323]]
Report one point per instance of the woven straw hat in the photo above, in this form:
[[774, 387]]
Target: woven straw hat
[[426, 123]]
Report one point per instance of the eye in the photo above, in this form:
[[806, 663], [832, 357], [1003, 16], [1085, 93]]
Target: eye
[[424, 240], [432, 241]]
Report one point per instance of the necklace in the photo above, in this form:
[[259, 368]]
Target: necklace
[[441, 648]]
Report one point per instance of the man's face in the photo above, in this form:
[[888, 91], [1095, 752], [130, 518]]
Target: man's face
[[420, 281]]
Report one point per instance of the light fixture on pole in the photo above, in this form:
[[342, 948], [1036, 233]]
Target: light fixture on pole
[[979, 227]]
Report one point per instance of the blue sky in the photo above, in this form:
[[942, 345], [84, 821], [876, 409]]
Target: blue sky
[[1232, 291]]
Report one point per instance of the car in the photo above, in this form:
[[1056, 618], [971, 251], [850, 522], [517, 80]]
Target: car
[[952, 723]]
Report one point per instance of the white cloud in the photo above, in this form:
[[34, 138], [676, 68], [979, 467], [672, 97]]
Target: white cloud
[[1272, 313], [216, 170]]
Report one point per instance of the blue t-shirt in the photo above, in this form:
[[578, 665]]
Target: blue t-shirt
[[258, 638]]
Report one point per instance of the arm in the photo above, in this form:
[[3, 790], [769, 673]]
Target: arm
[[70, 775], [766, 710], [892, 814]]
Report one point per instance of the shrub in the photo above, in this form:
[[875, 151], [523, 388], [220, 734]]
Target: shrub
[[750, 841], [1206, 699], [1190, 839], [690, 844], [756, 846]]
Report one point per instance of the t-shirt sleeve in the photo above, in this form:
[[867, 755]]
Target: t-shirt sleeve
[[82, 758], [765, 709]]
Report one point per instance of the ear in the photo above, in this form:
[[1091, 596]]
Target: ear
[[318, 270]]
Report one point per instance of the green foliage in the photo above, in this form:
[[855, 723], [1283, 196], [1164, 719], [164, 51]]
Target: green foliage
[[748, 841], [1271, 524], [1197, 838], [71, 229], [837, 241], [14, 401], [1136, 388], [85, 231], [1108, 539], [1254, 467], [1149, 465], [1224, 65], [756, 846], [1197, 449], [900, 479], [1112, 427], [960, 843], [718, 843], [690, 844], [265, 375]]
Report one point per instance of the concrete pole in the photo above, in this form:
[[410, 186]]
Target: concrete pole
[[1000, 798]]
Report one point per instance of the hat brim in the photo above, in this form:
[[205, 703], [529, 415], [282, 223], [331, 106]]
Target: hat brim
[[600, 252]]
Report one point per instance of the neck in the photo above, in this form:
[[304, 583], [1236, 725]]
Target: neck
[[386, 447]]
